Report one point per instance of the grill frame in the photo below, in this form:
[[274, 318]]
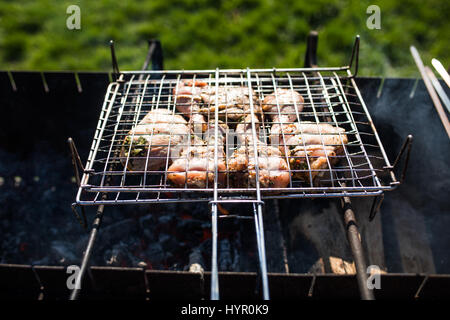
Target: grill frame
[[155, 54], [118, 97]]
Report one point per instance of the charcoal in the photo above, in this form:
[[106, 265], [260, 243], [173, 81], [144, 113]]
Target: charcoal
[[167, 242], [45, 261], [196, 259], [147, 235], [62, 252], [116, 232], [190, 230], [116, 256], [155, 252], [120, 255], [170, 236], [147, 222], [165, 219], [225, 257]]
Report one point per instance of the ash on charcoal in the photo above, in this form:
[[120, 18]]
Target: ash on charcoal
[[120, 256], [196, 260]]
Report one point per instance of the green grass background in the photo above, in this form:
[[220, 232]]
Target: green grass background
[[226, 34]]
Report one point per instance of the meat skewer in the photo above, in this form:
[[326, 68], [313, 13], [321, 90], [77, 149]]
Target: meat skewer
[[273, 169]]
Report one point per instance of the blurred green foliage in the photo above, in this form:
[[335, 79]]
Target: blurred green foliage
[[198, 34]]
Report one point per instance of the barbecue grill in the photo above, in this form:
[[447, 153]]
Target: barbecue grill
[[330, 96]]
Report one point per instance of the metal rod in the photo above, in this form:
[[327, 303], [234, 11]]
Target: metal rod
[[214, 267], [311, 50], [11, 80], [87, 254], [146, 285], [372, 125], [81, 219], [422, 285], [148, 58], [437, 86], [354, 239], [353, 236], [76, 160], [406, 146], [41, 286], [311, 287], [376, 204], [355, 56], [154, 55], [99, 215], [115, 65], [258, 213], [281, 235], [437, 103], [239, 71], [441, 70], [261, 249]]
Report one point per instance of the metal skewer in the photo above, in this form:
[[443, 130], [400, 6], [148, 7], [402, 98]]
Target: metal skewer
[[437, 86], [258, 205], [441, 70], [214, 268], [354, 239], [433, 95]]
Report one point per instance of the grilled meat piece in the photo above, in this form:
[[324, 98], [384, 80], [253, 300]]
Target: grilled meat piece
[[309, 145], [273, 169], [188, 99], [146, 146], [233, 102], [287, 101], [307, 161], [312, 143], [195, 167], [195, 99], [283, 105], [312, 133]]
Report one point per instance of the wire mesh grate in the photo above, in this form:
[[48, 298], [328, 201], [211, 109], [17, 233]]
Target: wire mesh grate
[[247, 134]]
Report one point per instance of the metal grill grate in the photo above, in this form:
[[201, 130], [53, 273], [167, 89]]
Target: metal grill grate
[[302, 132], [330, 97]]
